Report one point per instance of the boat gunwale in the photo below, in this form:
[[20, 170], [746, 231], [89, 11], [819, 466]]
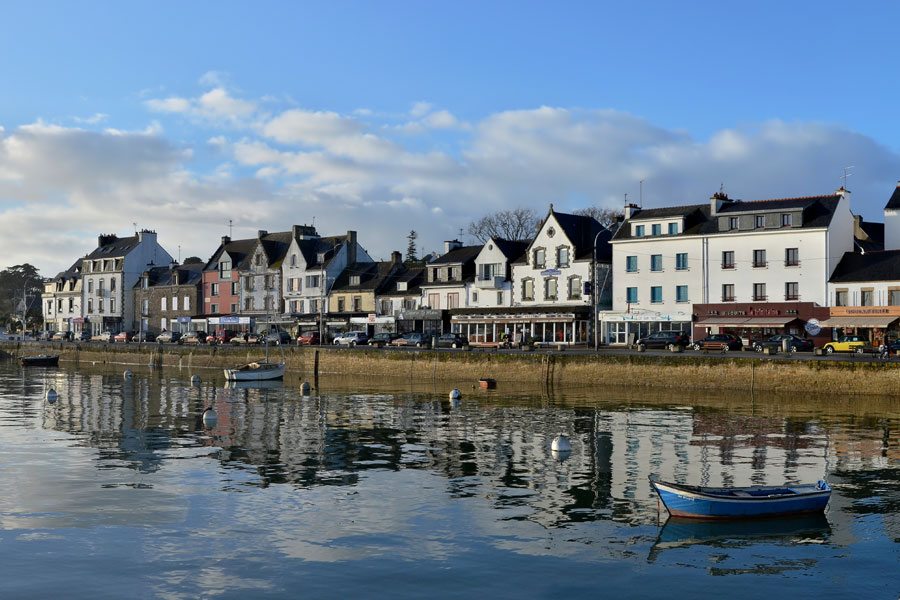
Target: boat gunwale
[[698, 492]]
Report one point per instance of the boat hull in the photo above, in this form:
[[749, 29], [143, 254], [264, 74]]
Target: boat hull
[[256, 372], [43, 360], [691, 502]]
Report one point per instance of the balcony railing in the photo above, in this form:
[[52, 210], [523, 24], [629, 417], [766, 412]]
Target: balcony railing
[[792, 263], [792, 296], [760, 298], [761, 264], [493, 282], [727, 265]]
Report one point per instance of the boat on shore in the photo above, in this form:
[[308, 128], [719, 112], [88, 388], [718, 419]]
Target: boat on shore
[[699, 502], [40, 360]]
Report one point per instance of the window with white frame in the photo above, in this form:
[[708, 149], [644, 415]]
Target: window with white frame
[[681, 293], [727, 292], [550, 285], [163, 303], [539, 258], [575, 288], [631, 295], [681, 261], [631, 264], [528, 289], [656, 262], [562, 257], [791, 290], [656, 295]]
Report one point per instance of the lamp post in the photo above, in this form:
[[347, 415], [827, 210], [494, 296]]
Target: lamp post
[[595, 296]]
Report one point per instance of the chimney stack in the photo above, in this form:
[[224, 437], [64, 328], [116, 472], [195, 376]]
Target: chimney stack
[[225, 240], [261, 233], [304, 232], [351, 247], [716, 201], [106, 239], [629, 208], [450, 245], [396, 257]]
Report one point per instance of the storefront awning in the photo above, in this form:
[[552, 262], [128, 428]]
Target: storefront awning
[[871, 322], [746, 321]]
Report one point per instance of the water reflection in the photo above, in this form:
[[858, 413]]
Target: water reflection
[[364, 471]]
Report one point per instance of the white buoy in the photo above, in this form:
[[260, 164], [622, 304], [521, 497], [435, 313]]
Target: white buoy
[[195, 380], [455, 394], [127, 374], [305, 388], [52, 395], [210, 418], [561, 444]]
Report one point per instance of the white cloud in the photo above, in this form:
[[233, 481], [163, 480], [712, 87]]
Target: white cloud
[[420, 109], [65, 184], [92, 120]]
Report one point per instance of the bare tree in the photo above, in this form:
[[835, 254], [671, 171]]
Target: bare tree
[[608, 217], [517, 224]]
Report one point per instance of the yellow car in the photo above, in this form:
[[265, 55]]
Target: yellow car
[[847, 343]]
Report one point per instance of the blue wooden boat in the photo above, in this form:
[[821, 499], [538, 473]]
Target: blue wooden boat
[[697, 502], [40, 360]]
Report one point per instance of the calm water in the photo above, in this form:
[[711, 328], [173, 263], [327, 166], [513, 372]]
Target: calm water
[[119, 490]]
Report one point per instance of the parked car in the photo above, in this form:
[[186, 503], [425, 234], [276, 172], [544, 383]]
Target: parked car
[[664, 339], [246, 338], [194, 337], [413, 338], [719, 341], [351, 338], [123, 337], [452, 340], [278, 337], [144, 336], [776, 341], [847, 343], [106, 336], [84, 336], [61, 336], [222, 336], [45, 336], [167, 337], [380, 340], [310, 338]]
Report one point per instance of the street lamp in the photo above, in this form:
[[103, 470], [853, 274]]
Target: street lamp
[[595, 295]]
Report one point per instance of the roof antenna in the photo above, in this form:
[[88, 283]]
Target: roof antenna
[[846, 174], [626, 198], [460, 232], [229, 229]]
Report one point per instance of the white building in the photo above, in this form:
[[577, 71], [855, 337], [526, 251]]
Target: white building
[[61, 301], [492, 286], [448, 278], [667, 261], [892, 221], [108, 277]]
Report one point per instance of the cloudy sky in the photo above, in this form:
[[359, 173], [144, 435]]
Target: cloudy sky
[[384, 117]]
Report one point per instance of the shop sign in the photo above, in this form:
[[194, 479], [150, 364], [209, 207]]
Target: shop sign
[[550, 272], [849, 311], [813, 327]]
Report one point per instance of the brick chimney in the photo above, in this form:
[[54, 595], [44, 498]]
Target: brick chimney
[[106, 239], [396, 257], [716, 201], [454, 244], [304, 232], [225, 240], [261, 233]]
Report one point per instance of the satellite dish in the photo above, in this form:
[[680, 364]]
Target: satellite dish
[[813, 327]]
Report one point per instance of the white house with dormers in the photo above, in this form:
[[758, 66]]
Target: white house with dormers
[[310, 267], [492, 286], [448, 278], [108, 276], [550, 300], [61, 301], [728, 265]]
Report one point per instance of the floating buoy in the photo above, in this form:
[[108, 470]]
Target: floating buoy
[[195, 380], [455, 394], [210, 417], [561, 444], [305, 388], [127, 374], [52, 395]]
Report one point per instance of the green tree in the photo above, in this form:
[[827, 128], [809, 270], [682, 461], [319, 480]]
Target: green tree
[[20, 291], [411, 251]]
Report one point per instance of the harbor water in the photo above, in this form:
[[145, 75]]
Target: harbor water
[[122, 487]]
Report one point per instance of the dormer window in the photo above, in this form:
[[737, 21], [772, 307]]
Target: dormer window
[[657, 229], [639, 231], [760, 221], [787, 220], [732, 222], [673, 228], [354, 280]]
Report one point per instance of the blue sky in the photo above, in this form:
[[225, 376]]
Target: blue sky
[[387, 116]]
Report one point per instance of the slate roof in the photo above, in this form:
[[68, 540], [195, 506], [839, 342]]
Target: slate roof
[[817, 212], [311, 248], [373, 277], [871, 236], [162, 276], [115, 248], [581, 231], [459, 255], [73, 272], [894, 201], [238, 250], [414, 277], [512, 250], [871, 266]]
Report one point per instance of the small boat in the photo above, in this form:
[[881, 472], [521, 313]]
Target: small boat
[[256, 371], [698, 502], [40, 360]]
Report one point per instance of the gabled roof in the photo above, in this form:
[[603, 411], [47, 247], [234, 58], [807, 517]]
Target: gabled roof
[[236, 249], [894, 201], [276, 245], [312, 248], [871, 266], [511, 249], [114, 248], [868, 237], [73, 272]]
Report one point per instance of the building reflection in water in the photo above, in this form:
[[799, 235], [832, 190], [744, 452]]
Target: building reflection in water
[[492, 446]]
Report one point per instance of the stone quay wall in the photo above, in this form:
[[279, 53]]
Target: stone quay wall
[[749, 372]]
